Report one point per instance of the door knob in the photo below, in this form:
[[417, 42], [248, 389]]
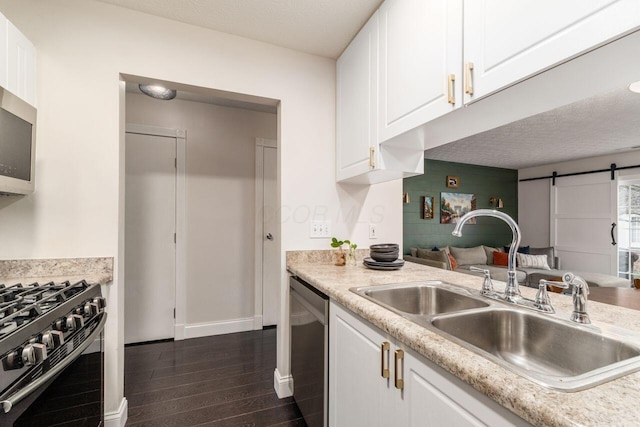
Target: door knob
[[269, 236]]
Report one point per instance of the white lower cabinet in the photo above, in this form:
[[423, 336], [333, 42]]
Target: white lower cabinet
[[376, 381]]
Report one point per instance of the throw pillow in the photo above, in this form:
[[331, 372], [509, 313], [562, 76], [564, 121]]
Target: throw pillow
[[533, 261], [414, 251], [454, 264], [469, 256], [489, 251], [500, 258], [521, 249], [434, 256], [551, 259]]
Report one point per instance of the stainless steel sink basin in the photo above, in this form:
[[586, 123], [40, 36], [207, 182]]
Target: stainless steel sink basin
[[549, 351], [544, 348], [424, 299]]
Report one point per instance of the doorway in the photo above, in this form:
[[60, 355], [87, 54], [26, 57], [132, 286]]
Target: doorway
[[151, 193], [216, 246]]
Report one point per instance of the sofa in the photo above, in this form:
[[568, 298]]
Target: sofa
[[533, 264]]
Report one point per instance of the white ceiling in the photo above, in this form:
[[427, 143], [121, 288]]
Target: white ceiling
[[604, 124], [318, 27]]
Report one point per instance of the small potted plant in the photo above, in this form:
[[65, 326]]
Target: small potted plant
[[340, 256]]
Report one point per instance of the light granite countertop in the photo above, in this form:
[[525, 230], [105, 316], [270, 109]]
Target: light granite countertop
[[27, 271], [615, 403]]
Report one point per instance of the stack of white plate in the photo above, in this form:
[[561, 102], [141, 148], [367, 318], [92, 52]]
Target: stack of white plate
[[384, 257]]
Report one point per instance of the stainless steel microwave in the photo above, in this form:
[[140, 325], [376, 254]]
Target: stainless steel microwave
[[17, 144]]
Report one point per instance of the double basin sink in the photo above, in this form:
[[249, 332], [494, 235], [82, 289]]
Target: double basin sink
[[554, 353]]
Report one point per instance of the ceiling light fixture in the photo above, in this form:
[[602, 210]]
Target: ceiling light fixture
[[158, 92], [635, 87]]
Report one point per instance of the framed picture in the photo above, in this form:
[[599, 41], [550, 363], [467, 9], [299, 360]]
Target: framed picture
[[427, 208], [452, 181], [454, 205]]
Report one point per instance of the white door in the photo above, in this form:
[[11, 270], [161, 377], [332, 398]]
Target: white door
[[508, 41], [150, 224], [271, 238], [267, 236], [420, 47], [583, 214]]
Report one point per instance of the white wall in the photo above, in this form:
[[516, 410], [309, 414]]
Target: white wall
[[83, 46], [534, 196], [220, 210]]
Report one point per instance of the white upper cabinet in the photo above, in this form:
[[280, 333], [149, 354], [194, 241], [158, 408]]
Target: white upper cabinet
[[4, 24], [357, 71], [21, 65], [360, 159], [18, 59], [434, 56], [420, 63], [507, 41]]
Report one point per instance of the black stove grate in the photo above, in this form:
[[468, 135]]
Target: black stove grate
[[21, 304]]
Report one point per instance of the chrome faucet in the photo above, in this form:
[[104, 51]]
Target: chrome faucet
[[579, 292], [512, 292]]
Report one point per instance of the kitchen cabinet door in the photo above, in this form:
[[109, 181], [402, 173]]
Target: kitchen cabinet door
[[21, 65], [508, 41], [356, 101], [4, 23], [415, 392], [358, 393], [433, 397], [420, 63]]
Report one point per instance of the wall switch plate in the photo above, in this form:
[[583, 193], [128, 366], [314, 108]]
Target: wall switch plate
[[320, 230], [373, 231]]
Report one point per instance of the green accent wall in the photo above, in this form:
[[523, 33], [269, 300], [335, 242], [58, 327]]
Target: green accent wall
[[485, 182]]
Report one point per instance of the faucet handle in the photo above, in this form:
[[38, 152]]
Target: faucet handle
[[562, 284], [542, 301], [580, 291], [487, 285]]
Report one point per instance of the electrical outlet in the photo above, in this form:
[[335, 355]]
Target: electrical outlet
[[320, 230], [373, 231]]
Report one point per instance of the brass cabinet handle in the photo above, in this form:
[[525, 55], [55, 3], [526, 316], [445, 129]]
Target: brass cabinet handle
[[372, 160], [451, 98], [384, 348], [399, 355], [468, 78]]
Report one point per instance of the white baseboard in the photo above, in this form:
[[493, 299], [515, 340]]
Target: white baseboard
[[178, 332], [118, 418], [257, 322], [282, 384], [218, 328]]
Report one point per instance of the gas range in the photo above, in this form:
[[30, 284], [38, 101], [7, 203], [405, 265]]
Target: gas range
[[43, 329]]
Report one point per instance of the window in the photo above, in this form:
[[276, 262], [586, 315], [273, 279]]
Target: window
[[629, 230]]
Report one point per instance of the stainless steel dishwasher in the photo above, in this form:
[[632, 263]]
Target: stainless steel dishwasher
[[309, 318]]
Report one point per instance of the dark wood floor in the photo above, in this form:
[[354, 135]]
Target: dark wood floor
[[226, 380]]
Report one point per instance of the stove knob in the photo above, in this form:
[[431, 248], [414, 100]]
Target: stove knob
[[13, 360], [33, 354], [91, 309], [101, 301], [74, 322], [61, 325], [53, 339], [35, 339]]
